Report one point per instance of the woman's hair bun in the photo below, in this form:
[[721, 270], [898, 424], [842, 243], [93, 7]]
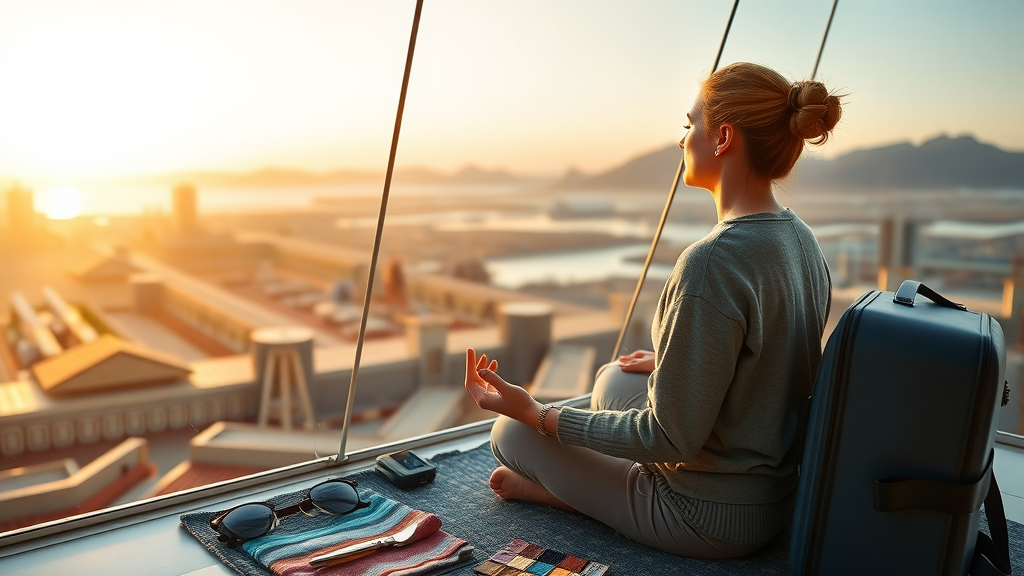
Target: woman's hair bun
[[815, 112], [775, 116]]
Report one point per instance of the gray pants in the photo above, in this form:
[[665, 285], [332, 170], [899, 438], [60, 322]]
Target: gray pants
[[615, 491]]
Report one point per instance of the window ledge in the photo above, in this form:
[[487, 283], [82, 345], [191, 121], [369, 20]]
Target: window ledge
[[98, 543]]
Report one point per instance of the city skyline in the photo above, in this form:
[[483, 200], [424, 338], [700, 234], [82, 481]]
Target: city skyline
[[111, 88]]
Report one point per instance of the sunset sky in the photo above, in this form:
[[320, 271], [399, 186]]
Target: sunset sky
[[103, 88]]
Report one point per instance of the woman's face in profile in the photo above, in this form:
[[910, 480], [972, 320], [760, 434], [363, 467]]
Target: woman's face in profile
[[698, 150]]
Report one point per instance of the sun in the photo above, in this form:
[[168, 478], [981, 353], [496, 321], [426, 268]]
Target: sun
[[102, 95], [63, 203]]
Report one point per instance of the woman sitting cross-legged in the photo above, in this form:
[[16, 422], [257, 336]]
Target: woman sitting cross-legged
[[690, 448]]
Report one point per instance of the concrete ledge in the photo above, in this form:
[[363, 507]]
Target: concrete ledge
[[566, 372], [26, 476], [93, 487], [237, 444], [428, 410]]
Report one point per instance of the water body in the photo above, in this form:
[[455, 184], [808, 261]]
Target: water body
[[617, 226], [572, 266], [532, 221]]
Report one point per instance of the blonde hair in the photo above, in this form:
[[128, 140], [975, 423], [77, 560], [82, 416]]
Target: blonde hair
[[774, 115]]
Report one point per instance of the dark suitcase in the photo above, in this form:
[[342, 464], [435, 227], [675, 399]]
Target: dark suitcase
[[898, 452]]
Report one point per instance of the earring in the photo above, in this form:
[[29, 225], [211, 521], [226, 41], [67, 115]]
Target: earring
[[718, 150]]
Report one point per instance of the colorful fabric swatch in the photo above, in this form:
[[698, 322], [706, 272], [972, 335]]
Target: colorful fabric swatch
[[521, 558], [288, 554]]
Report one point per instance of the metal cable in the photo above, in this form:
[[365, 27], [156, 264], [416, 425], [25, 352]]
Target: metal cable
[[664, 212], [821, 50], [380, 230], [725, 36]]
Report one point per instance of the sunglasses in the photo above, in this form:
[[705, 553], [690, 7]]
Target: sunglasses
[[255, 519]]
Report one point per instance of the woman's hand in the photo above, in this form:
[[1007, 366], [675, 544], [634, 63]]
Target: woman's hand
[[491, 392], [641, 361]]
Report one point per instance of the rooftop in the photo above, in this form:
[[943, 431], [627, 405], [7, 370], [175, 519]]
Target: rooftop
[[105, 363], [105, 541]]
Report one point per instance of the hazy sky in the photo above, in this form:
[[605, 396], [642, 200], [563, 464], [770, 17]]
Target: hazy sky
[[90, 87]]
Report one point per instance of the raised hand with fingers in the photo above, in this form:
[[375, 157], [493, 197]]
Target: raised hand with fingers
[[492, 392]]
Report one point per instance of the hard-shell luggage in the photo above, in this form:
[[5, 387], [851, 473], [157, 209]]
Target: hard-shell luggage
[[898, 452]]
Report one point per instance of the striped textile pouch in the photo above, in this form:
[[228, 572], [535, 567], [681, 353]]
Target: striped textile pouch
[[298, 538], [288, 554]]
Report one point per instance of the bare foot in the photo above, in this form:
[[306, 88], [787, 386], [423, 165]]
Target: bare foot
[[511, 486]]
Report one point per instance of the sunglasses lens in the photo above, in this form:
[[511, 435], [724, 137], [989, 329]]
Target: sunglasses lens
[[249, 521], [336, 497]]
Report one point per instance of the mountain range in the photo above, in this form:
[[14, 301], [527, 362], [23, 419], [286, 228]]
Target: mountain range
[[939, 163]]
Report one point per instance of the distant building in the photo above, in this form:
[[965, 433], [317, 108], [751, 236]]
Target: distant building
[[59, 488], [185, 211], [394, 284], [106, 363], [21, 213]]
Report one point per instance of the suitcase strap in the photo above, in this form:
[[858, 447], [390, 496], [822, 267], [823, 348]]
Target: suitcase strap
[[899, 492], [991, 553]]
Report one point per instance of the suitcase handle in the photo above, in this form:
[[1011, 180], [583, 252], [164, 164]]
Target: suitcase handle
[[909, 290]]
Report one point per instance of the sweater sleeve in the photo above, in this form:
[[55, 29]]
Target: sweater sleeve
[[696, 357]]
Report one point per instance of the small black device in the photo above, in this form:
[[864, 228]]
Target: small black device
[[405, 469]]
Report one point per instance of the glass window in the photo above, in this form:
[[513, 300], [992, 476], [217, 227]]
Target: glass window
[[190, 194], [538, 145], [171, 315]]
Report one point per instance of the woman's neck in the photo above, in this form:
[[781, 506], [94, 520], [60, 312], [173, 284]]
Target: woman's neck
[[740, 193]]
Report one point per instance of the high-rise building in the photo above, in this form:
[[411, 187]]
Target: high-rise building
[[21, 214], [185, 213]]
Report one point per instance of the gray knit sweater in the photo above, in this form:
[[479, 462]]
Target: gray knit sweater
[[737, 338]]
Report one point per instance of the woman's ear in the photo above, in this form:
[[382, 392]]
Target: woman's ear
[[726, 135]]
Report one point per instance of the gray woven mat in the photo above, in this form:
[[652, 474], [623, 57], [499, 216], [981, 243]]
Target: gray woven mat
[[469, 510]]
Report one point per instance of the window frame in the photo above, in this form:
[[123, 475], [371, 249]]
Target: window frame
[[66, 529]]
